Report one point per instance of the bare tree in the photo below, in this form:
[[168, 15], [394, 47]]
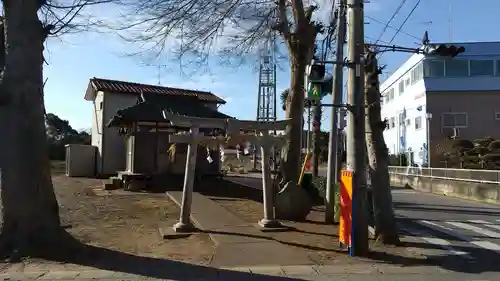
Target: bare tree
[[30, 213], [234, 28], [378, 156]]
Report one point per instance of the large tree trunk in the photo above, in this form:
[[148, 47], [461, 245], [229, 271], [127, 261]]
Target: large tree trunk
[[300, 45], [295, 110], [316, 114], [378, 156], [30, 211]]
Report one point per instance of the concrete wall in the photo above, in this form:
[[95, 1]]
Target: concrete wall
[[113, 144], [97, 127], [484, 192], [481, 108]]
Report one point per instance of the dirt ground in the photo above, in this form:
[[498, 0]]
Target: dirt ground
[[128, 222], [124, 221]]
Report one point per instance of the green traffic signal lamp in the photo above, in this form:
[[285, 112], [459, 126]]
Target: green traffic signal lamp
[[314, 91]]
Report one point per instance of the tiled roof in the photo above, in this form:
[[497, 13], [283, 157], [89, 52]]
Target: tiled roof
[[100, 84], [151, 110]]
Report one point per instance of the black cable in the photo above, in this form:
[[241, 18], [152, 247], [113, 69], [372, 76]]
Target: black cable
[[373, 40], [393, 28], [390, 20], [402, 24]]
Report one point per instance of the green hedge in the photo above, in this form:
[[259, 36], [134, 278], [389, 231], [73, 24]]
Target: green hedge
[[316, 187]]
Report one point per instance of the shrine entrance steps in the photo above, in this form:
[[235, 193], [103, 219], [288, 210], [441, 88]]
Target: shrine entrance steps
[[238, 243]]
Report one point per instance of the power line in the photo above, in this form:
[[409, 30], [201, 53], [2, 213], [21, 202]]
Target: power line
[[373, 39], [404, 22], [390, 20], [393, 28]]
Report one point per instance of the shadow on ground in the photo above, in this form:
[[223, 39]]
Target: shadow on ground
[[482, 211], [478, 261], [107, 259]]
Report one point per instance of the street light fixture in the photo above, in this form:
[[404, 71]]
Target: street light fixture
[[428, 117]]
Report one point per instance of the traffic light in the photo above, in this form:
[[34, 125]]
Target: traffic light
[[315, 72], [328, 84], [314, 91], [447, 51]]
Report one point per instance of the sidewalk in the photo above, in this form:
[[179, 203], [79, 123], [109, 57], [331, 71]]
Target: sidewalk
[[359, 272]]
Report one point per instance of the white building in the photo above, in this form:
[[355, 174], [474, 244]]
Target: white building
[[431, 98]]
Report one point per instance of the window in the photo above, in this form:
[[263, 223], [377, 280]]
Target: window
[[457, 68], [407, 82], [497, 115], [497, 66], [418, 123], [408, 122], [454, 120], [434, 68], [481, 67], [392, 123], [389, 95], [401, 87], [100, 105], [417, 73]]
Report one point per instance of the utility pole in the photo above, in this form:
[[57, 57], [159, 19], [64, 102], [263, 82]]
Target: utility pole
[[356, 149], [334, 161], [308, 141]]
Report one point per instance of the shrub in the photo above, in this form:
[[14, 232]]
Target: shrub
[[494, 145], [319, 184]]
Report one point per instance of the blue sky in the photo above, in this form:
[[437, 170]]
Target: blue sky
[[74, 59]]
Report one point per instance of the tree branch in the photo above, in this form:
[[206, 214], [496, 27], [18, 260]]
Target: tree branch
[[298, 12], [198, 27], [283, 25], [66, 16]]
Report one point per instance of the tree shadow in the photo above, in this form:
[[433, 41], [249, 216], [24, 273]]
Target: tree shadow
[[477, 260], [268, 238], [228, 189], [74, 252], [446, 209]]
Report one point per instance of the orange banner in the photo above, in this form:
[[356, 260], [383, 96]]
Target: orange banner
[[345, 226]]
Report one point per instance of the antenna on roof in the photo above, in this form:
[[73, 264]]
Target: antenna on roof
[[450, 20], [425, 39], [159, 75], [143, 98]]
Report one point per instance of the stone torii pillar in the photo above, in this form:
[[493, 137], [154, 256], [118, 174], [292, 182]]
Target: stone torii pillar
[[265, 141], [192, 139]]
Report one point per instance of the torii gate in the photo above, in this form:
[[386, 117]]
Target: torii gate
[[266, 142], [233, 129]]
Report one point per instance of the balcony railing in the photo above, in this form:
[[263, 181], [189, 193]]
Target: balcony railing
[[483, 176]]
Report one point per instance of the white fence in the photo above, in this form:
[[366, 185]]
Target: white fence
[[490, 176]]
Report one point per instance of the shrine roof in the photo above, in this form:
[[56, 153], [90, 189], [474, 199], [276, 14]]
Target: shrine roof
[[150, 109], [122, 87]]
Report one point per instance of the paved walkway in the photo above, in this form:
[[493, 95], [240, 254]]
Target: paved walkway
[[234, 236], [361, 272]]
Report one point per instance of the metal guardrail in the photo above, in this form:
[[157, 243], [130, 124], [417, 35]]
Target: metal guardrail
[[484, 176]]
